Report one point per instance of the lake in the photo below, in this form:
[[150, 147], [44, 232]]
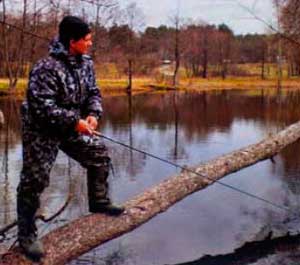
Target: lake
[[186, 129]]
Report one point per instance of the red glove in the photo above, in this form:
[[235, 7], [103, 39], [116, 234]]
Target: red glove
[[92, 122], [83, 127]]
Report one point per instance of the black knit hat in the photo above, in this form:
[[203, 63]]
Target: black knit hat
[[72, 28]]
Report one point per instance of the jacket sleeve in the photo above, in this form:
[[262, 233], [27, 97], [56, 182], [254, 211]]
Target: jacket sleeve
[[42, 97], [94, 99]]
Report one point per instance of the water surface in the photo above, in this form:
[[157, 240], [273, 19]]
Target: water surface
[[188, 129]]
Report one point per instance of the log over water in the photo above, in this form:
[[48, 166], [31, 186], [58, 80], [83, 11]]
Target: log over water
[[87, 232]]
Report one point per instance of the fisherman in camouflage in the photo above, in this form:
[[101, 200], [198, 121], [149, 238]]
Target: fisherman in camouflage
[[61, 111]]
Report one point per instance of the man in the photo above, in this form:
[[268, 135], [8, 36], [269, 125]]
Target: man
[[62, 107]]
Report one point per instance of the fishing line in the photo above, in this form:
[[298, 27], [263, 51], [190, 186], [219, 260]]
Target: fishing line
[[194, 172]]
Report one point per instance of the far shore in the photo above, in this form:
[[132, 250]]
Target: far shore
[[144, 84]]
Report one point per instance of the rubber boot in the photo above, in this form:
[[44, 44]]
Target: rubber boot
[[99, 201], [27, 205]]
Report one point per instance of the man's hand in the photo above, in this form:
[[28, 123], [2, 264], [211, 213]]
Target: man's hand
[[92, 122], [83, 127]]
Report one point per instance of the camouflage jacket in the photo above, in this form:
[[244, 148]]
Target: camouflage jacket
[[61, 90]]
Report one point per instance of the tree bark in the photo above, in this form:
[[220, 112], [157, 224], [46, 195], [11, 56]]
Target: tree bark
[[87, 232], [5, 46], [176, 53]]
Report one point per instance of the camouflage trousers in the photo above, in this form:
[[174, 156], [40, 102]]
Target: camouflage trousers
[[39, 154]]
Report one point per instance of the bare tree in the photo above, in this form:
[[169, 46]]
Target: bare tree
[[105, 12], [195, 39], [176, 21], [135, 19], [14, 56], [20, 60], [288, 15], [5, 44], [224, 39], [16, 40], [279, 47], [176, 51]]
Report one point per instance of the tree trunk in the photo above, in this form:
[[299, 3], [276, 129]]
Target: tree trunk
[[205, 63], [176, 54], [20, 60], [95, 42], [8, 64], [34, 31], [129, 86], [87, 232], [205, 54], [224, 69], [263, 65], [279, 49]]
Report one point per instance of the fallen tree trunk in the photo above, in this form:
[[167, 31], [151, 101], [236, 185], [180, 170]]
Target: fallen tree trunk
[[88, 232]]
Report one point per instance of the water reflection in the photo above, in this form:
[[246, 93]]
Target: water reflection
[[186, 128], [8, 140], [252, 252]]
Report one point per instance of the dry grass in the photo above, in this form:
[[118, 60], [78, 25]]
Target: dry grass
[[108, 86], [111, 85], [237, 83]]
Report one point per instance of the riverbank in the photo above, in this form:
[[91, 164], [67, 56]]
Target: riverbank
[[144, 84]]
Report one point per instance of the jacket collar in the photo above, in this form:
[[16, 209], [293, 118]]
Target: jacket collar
[[58, 50]]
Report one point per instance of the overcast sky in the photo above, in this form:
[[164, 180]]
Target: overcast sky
[[157, 12]]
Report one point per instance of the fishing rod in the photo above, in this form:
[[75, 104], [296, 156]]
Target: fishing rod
[[193, 171]]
